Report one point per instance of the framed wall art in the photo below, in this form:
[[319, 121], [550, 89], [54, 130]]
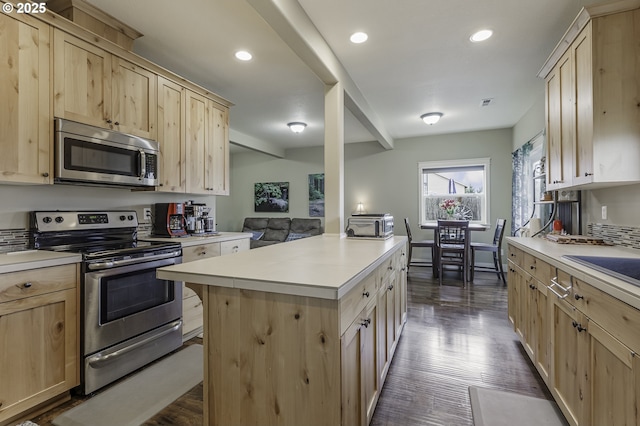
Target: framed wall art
[[272, 197], [316, 195]]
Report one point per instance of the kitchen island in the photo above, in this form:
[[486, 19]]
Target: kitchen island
[[301, 332]]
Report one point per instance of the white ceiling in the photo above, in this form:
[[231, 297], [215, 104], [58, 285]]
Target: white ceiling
[[418, 59]]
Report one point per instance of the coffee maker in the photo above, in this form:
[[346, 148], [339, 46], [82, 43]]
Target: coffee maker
[[169, 220], [198, 219]]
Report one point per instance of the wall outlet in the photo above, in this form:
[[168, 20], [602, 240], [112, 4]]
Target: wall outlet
[[147, 213], [604, 212]]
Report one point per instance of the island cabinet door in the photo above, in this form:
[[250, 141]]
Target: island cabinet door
[[360, 381]]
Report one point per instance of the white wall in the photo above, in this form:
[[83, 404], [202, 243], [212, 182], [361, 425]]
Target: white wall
[[17, 201], [385, 181]]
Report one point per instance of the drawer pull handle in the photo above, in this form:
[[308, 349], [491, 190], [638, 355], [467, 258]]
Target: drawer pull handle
[[27, 284], [554, 283], [578, 297], [365, 294]]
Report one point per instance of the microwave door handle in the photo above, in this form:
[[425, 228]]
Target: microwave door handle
[[143, 165]]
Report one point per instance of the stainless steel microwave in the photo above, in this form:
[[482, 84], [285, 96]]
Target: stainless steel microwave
[[93, 156]]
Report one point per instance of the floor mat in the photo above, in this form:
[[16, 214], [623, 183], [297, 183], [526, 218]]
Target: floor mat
[[142, 395], [492, 407]]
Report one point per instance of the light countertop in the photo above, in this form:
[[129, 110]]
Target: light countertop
[[326, 266], [32, 259], [552, 253], [193, 240]]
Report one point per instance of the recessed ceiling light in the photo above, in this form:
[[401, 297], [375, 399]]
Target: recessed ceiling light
[[431, 117], [358, 37], [243, 55], [297, 126], [481, 35]]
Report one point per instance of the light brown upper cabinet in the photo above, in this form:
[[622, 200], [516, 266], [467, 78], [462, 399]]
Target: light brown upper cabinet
[[592, 108], [207, 146], [25, 138], [171, 136], [95, 87]]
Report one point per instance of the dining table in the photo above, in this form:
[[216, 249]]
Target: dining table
[[473, 226]]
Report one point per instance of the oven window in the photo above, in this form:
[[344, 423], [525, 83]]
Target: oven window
[[127, 294], [98, 158]]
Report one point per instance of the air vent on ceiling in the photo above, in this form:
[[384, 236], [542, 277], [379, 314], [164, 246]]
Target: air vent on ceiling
[[486, 102]]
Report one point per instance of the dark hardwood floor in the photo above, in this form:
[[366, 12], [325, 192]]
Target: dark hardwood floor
[[455, 337]]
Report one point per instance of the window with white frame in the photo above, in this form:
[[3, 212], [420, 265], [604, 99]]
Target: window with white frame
[[454, 189]]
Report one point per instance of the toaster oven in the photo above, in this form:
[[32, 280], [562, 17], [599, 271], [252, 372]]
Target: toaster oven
[[370, 226]]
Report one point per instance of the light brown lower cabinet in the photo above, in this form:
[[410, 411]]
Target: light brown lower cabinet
[[192, 293], [291, 360], [583, 342], [39, 338]]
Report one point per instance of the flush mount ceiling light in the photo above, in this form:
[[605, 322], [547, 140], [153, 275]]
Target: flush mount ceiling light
[[431, 117], [297, 126], [243, 55], [481, 35], [358, 37]]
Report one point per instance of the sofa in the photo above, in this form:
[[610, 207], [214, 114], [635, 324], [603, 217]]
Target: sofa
[[273, 230]]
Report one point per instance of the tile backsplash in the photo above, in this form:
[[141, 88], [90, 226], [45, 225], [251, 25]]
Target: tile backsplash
[[13, 240], [619, 235]]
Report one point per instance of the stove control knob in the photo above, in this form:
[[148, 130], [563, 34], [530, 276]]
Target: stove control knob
[[59, 219], [130, 217], [122, 217], [47, 219]]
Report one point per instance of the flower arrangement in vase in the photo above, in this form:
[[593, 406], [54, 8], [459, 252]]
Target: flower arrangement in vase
[[449, 207]]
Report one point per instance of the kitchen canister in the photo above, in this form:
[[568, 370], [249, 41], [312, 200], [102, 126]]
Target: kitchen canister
[[534, 226]]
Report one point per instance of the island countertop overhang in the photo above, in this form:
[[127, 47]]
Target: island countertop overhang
[[326, 266]]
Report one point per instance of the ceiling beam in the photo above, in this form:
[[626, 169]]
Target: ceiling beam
[[255, 144], [289, 20]]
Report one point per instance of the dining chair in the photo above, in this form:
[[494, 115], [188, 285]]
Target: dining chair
[[430, 244], [452, 247], [495, 247]]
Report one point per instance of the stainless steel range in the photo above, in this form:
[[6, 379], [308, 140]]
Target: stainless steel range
[[129, 317]]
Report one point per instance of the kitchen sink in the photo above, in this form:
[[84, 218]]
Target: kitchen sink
[[624, 268]]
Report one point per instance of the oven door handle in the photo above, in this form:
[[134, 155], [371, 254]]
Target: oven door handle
[[99, 360], [116, 263]]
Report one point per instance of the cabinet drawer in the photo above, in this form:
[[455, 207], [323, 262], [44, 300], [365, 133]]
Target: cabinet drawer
[[388, 267], [619, 319], [202, 251], [516, 255], [356, 300], [18, 285], [542, 271], [228, 247]]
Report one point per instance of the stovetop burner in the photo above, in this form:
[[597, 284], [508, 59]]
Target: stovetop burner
[[96, 235], [623, 268]]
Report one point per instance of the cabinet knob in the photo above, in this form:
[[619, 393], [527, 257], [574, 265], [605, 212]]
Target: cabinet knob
[[588, 174], [578, 326], [45, 174], [578, 297], [27, 284], [365, 294], [532, 267], [366, 322], [390, 287], [116, 123], [109, 121]]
